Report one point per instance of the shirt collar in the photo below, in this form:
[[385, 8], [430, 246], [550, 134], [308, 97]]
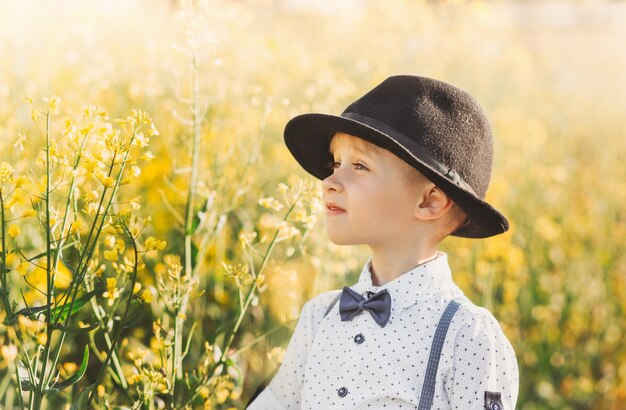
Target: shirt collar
[[431, 277]]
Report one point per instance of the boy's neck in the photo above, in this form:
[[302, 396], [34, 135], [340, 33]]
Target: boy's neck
[[388, 264]]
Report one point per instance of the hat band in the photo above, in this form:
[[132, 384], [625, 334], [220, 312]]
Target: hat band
[[417, 151]]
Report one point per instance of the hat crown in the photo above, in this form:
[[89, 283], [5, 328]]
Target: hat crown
[[445, 120], [433, 126]]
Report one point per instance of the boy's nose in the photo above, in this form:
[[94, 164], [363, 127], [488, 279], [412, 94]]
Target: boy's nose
[[332, 183]]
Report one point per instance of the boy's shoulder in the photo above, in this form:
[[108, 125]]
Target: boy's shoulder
[[319, 304], [476, 325]]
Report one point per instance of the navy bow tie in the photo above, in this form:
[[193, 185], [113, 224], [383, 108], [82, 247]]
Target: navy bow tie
[[379, 305]]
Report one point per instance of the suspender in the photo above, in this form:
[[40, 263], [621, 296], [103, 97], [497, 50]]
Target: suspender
[[332, 304], [428, 388]]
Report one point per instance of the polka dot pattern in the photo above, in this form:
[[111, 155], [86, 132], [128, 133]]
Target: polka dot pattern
[[357, 364]]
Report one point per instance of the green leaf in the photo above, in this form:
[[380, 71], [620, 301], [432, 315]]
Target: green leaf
[[81, 403], [195, 223], [194, 254], [197, 220], [26, 385], [59, 313], [77, 376], [30, 311]]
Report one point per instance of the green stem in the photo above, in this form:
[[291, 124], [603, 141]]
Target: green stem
[[3, 272], [20, 393], [62, 240], [179, 324], [252, 289], [87, 255], [116, 363], [120, 327], [50, 277]]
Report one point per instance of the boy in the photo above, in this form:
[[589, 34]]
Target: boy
[[402, 167]]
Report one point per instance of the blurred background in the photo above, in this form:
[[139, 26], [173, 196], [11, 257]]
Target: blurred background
[[550, 75]]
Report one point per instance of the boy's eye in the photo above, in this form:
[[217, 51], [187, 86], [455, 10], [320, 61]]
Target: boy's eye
[[357, 166], [333, 165]]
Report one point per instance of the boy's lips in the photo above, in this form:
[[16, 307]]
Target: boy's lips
[[333, 209]]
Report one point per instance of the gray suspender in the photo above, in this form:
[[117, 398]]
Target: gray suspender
[[332, 304], [428, 388]]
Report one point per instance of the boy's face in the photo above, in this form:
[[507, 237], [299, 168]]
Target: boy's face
[[371, 196]]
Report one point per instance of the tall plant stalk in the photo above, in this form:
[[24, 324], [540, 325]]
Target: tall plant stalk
[[189, 211], [39, 390]]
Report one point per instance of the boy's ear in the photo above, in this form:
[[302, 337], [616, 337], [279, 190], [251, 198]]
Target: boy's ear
[[432, 204]]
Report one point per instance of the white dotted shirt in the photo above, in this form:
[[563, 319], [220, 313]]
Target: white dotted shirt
[[357, 364]]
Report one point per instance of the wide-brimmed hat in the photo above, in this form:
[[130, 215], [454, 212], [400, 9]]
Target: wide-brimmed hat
[[433, 126]]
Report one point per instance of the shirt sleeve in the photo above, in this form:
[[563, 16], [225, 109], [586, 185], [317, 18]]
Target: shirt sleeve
[[484, 368], [284, 391]]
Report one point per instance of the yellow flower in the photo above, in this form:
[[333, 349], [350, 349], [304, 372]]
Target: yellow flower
[[108, 182], [75, 227], [246, 238], [111, 255], [146, 295], [286, 231], [147, 156], [91, 195], [8, 353], [19, 144], [41, 338], [204, 392], [299, 214], [153, 243], [109, 241], [221, 394], [70, 367], [112, 292], [29, 213], [53, 104], [22, 268], [120, 245], [134, 203], [100, 270], [153, 131], [283, 188], [34, 114], [6, 173], [270, 203], [135, 171], [141, 140], [91, 208], [21, 181], [13, 231], [11, 259]]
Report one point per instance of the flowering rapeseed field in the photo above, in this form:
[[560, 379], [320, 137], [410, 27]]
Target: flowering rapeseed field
[[157, 241]]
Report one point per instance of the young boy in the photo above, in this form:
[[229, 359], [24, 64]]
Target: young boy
[[402, 167]]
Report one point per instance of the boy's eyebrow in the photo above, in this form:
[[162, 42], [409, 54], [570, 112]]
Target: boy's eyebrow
[[361, 147]]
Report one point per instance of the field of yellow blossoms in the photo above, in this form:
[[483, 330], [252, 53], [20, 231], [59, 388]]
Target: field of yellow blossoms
[[157, 241]]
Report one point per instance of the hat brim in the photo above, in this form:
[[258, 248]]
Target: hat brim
[[307, 137]]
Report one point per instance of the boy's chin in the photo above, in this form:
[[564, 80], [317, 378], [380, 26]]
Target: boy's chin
[[342, 240]]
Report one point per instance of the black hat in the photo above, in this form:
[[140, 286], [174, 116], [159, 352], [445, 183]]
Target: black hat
[[433, 126]]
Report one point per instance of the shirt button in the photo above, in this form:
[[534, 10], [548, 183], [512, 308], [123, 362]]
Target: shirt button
[[342, 392], [358, 339]]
